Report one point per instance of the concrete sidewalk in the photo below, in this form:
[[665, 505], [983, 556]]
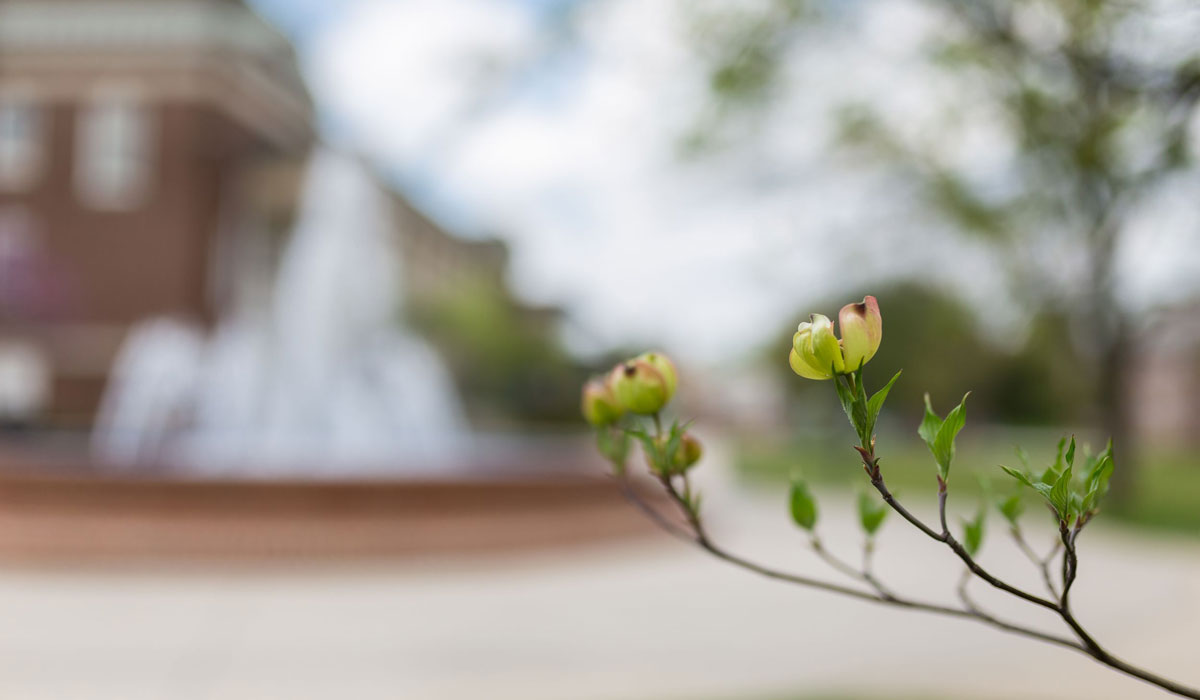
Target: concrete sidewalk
[[648, 620]]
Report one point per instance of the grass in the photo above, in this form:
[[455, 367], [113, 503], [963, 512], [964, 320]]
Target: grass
[[1166, 496]]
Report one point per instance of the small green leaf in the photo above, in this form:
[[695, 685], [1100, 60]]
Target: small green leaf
[[1071, 453], [944, 442], [1012, 507], [875, 404], [1060, 495], [649, 444], [973, 531], [1096, 483], [940, 434], [614, 446], [1101, 468], [862, 413], [803, 506], [1018, 475], [1054, 470], [674, 438], [847, 399], [871, 513], [929, 424], [1044, 489]]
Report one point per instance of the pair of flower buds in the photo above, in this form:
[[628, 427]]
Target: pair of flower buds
[[818, 354], [643, 385]]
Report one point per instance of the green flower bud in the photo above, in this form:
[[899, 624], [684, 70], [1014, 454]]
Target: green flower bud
[[862, 331], [801, 357], [815, 352], [639, 387], [825, 347], [665, 367], [600, 406], [687, 454], [690, 451]]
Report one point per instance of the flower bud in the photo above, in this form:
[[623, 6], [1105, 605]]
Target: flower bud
[[825, 348], [665, 367], [639, 387], [687, 454], [690, 451], [862, 331], [600, 407], [803, 357]]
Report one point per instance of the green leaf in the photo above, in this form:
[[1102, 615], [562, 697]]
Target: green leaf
[[973, 531], [847, 398], [674, 438], [939, 434], [1054, 470], [1060, 495], [614, 446], [929, 424], [1071, 453], [1012, 507], [875, 404], [1100, 469], [1018, 475], [649, 444], [803, 506], [871, 513], [1096, 483], [943, 444]]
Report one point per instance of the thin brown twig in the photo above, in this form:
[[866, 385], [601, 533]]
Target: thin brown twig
[[1042, 563], [1086, 645], [688, 505], [864, 574]]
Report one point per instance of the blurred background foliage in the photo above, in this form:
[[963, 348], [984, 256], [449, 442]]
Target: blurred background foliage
[[507, 359], [1096, 127]]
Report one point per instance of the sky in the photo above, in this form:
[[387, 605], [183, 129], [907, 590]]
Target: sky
[[557, 126]]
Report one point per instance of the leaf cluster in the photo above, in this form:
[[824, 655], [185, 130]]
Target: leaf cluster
[[863, 412], [1071, 487], [660, 450], [939, 433]]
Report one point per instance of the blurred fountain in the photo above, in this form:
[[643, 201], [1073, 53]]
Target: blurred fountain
[[321, 380]]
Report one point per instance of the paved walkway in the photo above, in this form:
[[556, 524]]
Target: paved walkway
[[651, 620]]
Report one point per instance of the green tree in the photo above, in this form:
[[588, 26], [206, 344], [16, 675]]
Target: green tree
[[1093, 104], [506, 358]]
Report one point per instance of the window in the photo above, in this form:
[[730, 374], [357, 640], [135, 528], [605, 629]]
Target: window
[[20, 142], [114, 150]]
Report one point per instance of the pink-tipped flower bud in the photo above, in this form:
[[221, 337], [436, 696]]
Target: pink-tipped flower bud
[[600, 406], [665, 367], [639, 387], [862, 331]]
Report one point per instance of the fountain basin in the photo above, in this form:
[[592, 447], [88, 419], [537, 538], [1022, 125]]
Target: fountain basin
[[61, 510]]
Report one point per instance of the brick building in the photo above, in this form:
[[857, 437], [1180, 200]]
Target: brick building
[[134, 137], [151, 153]]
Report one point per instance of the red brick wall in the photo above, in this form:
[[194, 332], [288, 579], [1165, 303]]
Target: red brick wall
[[114, 268]]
